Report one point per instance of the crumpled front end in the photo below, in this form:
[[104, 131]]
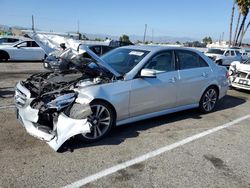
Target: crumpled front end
[[49, 117], [239, 75]]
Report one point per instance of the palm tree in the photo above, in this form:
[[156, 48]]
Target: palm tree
[[241, 35], [246, 28], [231, 24], [244, 9], [237, 27]]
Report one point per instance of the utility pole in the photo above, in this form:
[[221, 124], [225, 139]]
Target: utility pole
[[33, 27], [77, 26], [222, 38], [152, 35], [78, 30], [145, 31]]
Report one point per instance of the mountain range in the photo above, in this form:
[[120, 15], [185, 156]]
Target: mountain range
[[133, 38]]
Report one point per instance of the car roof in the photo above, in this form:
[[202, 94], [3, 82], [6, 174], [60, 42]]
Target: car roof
[[152, 48]]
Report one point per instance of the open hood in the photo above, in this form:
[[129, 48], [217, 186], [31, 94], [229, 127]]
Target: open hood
[[100, 61]]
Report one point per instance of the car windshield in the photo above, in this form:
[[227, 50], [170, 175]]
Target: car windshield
[[124, 60], [215, 51]]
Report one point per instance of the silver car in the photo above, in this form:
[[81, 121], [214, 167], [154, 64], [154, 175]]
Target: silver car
[[127, 84]]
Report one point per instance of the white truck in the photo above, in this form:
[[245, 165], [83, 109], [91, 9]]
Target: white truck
[[224, 56]]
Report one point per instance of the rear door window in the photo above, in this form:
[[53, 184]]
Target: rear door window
[[189, 60]]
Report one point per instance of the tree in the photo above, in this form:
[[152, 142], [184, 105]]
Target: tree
[[243, 7], [98, 39], [178, 42], [237, 27], [246, 28], [207, 40], [231, 24], [124, 38]]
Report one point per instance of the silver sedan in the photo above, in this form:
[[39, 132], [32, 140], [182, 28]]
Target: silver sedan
[[127, 84]]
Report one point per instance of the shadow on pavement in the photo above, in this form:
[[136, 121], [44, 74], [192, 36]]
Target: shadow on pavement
[[242, 91], [121, 133]]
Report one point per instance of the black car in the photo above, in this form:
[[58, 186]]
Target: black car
[[54, 62]]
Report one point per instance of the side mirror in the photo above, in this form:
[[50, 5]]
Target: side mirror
[[148, 73]]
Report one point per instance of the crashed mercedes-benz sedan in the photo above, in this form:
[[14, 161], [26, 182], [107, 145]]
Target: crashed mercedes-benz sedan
[[125, 85], [240, 74]]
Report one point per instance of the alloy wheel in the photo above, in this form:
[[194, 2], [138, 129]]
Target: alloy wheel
[[100, 121], [209, 100]]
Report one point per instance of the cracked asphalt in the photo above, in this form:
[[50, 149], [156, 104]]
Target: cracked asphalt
[[221, 159]]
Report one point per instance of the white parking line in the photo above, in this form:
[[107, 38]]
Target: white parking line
[[152, 154]]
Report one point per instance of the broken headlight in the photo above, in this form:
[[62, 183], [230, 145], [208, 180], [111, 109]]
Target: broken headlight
[[62, 101]]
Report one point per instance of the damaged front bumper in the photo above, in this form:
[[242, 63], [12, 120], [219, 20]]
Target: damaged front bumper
[[240, 80], [63, 128]]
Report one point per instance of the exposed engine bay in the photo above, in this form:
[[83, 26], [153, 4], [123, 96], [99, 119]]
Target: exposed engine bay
[[50, 99]]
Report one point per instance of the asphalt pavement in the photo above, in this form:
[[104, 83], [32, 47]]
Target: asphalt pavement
[[218, 159]]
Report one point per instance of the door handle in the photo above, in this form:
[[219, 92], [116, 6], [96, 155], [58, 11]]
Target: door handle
[[172, 80], [204, 75]]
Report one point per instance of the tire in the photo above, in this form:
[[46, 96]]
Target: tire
[[209, 100], [4, 56], [102, 121]]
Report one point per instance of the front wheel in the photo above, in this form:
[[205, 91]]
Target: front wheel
[[209, 100], [102, 120]]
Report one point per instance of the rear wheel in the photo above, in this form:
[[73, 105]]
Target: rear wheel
[[102, 120], [209, 100]]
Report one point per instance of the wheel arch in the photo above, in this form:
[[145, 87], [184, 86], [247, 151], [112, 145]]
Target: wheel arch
[[211, 85]]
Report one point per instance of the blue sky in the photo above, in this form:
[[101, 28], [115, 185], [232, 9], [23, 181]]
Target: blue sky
[[177, 18]]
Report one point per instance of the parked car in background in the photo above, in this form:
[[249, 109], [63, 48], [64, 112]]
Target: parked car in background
[[243, 52], [244, 55], [223, 56], [125, 85], [8, 40], [27, 50], [54, 61], [239, 74], [97, 49]]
